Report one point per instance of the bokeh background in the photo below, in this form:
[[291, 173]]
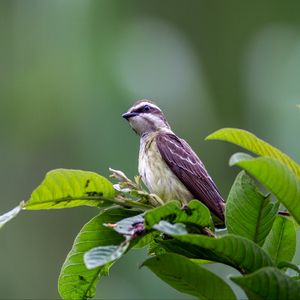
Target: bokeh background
[[68, 69]]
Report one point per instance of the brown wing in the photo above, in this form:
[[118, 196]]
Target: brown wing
[[187, 166]]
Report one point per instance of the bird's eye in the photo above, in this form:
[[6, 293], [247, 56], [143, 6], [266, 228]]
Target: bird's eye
[[146, 108]]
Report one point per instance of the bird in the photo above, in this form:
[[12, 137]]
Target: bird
[[167, 164]]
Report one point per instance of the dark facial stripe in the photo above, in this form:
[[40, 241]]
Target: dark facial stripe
[[146, 108]]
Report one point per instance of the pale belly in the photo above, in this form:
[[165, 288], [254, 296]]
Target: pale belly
[[158, 177]]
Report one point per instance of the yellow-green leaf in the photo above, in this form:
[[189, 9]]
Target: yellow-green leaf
[[75, 280], [276, 176], [281, 241], [69, 188], [194, 213], [250, 142], [249, 213]]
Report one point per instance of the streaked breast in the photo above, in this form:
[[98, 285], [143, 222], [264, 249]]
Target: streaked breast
[[156, 175]]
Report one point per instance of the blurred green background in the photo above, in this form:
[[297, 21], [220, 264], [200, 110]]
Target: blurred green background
[[69, 69]]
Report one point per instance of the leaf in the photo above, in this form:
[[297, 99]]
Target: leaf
[[169, 228], [155, 249], [252, 143], [69, 188], [146, 239], [75, 280], [133, 231], [277, 177], [281, 242], [10, 214], [175, 246], [194, 213], [232, 250], [268, 284], [167, 211], [284, 265], [99, 256], [188, 277], [248, 212], [129, 226]]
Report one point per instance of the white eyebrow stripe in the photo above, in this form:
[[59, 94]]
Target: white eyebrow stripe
[[141, 104]]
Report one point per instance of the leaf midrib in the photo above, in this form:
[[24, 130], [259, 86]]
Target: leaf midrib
[[68, 199], [259, 219], [91, 283], [279, 242]]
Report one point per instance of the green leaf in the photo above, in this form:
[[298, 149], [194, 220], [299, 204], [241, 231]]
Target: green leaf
[[232, 250], [155, 249], [10, 214], [194, 213], [99, 256], [146, 239], [131, 228], [168, 212], [248, 212], [284, 265], [188, 277], [69, 188], [175, 246], [252, 143], [277, 177], [281, 242], [268, 284], [75, 280]]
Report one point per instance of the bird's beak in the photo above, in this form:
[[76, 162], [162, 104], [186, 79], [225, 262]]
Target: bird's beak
[[129, 115]]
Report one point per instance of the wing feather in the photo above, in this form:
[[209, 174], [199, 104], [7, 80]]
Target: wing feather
[[187, 166]]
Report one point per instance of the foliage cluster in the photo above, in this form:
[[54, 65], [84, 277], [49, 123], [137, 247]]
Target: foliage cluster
[[260, 240]]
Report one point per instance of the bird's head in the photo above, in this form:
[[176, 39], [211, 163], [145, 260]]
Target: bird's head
[[145, 117]]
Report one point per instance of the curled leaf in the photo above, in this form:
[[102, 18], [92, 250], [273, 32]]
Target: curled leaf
[[10, 214]]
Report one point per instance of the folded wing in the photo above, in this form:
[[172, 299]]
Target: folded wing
[[187, 166]]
